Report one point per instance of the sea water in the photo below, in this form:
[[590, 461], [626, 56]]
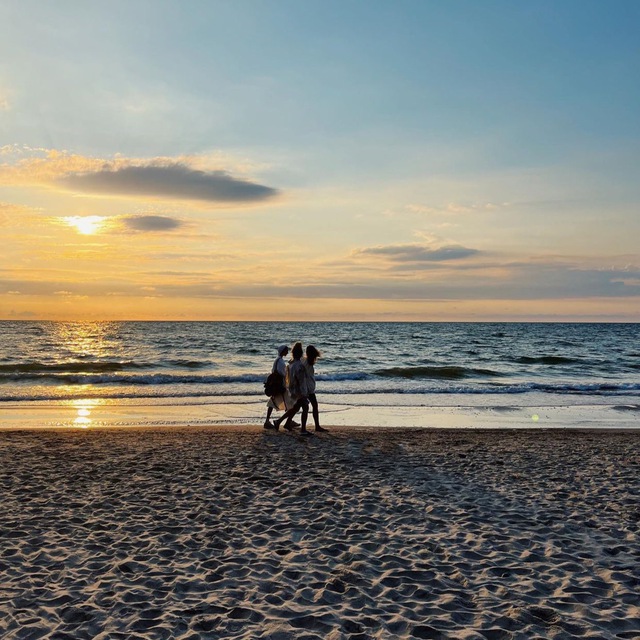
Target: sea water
[[95, 374]]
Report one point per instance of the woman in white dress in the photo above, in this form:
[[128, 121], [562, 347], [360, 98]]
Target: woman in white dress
[[297, 387], [280, 401]]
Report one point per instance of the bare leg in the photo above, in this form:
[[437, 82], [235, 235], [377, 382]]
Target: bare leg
[[314, 408], [288, 415], [303, 420], [267, 423], [316, 413]]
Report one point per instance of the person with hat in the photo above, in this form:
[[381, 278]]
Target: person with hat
[[279, 400]]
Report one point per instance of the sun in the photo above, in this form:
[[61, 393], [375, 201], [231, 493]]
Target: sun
[[86, 225]]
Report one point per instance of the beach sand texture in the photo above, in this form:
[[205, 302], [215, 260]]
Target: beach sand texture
[[239, 533]]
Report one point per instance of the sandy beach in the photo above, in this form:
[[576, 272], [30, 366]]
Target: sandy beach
[[359, 533]]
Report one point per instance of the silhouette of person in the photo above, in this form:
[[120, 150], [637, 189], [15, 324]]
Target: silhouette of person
[[297, 386], [312, 355], [278, 401]]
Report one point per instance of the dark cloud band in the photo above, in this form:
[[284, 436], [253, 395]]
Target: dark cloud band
[[176, 181], [533, 282], [151, 223], [419, 253]]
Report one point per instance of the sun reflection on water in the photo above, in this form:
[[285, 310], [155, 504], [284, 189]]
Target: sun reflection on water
[[83, 410], [85, 340], [82, 354]]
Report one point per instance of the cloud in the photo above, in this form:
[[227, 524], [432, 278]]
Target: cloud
[[405, 253], [91, 225], [533, 281], [151, 223], [5, 105], [628, 282], [175, 181], [195, 178], [449, 209], [12, 213]]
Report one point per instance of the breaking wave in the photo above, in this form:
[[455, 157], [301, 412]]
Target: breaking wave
[[450, 373]]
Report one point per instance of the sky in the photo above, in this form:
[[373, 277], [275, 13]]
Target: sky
[[422, 160]]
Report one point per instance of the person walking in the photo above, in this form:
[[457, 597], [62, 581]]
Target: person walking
[[312, 355], [297, 386], [278, 401]]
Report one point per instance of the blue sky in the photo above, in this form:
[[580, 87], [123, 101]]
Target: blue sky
[[502, 135]]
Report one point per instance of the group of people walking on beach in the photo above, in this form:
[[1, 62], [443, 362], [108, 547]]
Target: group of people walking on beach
[[292, 387]]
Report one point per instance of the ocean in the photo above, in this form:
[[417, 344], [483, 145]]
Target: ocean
[[100, 374]]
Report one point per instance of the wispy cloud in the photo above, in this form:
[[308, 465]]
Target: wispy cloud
[[15, 214], [450, 209], [5, 104], [514, 281], [406, 253]]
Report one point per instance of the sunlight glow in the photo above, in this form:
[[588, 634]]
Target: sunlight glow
[[87, 225], [83, 410]]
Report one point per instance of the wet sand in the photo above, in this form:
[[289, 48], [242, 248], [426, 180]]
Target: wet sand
[[359, 533]]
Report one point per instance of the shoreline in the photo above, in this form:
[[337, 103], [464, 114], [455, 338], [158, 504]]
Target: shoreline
[[536, 413], [333, 429], [198, 532]]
